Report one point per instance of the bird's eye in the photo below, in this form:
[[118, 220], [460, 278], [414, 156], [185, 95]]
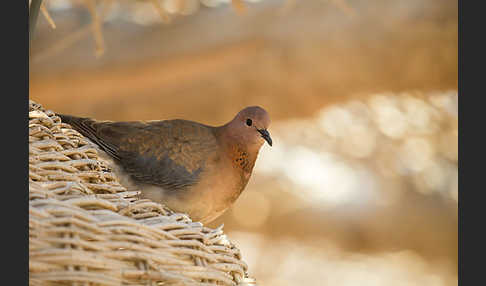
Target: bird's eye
[[248, 122]]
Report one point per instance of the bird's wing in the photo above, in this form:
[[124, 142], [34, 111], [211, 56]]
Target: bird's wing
[[170, 153]]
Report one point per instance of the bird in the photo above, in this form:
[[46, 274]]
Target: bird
[[190, 167]]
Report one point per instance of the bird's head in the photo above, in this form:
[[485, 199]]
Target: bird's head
[[250, 125]]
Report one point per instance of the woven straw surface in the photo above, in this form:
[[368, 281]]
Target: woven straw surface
[[87, 229]]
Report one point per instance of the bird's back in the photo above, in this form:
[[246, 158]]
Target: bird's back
[[170, 154]]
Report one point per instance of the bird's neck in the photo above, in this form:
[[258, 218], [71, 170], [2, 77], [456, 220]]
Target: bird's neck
[[241, 154], [237, 156]]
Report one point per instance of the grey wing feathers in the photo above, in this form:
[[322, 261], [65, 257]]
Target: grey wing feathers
[[171, 153]]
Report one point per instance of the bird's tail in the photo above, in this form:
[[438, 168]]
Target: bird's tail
[[90, 129], [86, 126], [81, 124]]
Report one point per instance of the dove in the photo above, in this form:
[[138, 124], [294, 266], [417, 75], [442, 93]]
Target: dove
[[190, 167]]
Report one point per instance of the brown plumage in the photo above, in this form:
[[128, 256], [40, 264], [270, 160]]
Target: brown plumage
[[191, 167]]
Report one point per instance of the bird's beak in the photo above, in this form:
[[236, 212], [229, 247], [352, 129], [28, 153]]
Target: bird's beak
[[266, 136]]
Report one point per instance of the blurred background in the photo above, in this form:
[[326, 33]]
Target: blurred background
[[361, 185]]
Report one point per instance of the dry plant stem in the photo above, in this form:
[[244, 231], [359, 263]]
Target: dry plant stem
[[96, 27], [163, 14], [33, 14], [47, 16], [70, 39]]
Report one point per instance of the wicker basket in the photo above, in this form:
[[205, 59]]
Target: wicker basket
[[87, 229]]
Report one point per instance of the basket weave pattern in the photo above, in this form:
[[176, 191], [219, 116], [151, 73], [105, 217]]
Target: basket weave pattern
[[87, 229]]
